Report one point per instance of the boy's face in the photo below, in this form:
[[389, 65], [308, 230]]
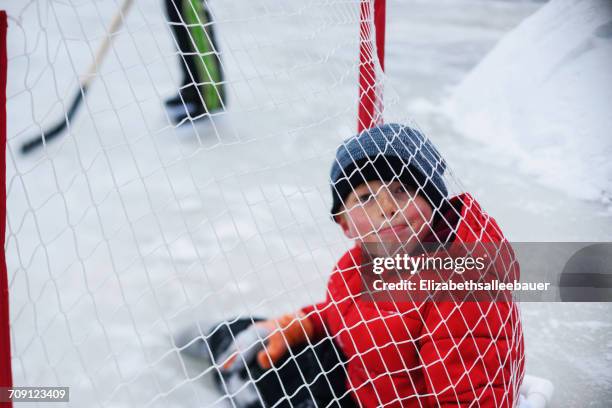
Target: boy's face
[[385, 212]]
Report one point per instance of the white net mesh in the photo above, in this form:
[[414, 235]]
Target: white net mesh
[[136, 223]]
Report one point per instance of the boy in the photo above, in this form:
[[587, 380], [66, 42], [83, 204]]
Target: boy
[[387, 187]]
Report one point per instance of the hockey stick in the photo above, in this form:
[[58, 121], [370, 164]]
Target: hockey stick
[[56, 130]]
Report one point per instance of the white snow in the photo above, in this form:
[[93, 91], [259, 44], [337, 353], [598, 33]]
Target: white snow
[[542, 97]]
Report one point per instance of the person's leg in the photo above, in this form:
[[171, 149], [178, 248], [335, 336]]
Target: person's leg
[[315, 375], [214, 343], [312, 376], [206, 65], [201, 89], [180, 32]]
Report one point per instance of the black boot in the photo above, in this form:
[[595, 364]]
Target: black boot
[[186, 105], [309, 376]]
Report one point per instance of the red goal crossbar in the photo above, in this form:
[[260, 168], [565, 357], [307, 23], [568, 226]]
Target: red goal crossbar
[[6, 379], [370, 95]]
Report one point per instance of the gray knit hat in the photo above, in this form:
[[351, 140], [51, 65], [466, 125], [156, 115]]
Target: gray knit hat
[[388, 152]]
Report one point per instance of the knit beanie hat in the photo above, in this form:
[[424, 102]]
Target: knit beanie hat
[[386, 153]]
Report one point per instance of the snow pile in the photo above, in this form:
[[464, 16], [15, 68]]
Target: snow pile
[[542, 97]]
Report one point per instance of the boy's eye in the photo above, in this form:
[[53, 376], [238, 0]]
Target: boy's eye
[[399, 190], [364, 197]]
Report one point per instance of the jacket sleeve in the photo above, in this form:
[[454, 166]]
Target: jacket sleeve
[[316, 315], [471, 352], [339, 286]]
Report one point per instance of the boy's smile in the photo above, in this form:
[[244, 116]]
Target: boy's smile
[[393, 231]]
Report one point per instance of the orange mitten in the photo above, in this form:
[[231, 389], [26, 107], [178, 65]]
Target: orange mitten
[[288, 330]]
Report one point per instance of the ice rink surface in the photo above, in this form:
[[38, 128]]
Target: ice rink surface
[[128, 229]]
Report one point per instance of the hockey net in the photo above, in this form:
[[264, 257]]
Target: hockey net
[[128, 227]]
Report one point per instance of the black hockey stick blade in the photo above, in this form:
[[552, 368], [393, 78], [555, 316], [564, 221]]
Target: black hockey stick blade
[[56, 130]]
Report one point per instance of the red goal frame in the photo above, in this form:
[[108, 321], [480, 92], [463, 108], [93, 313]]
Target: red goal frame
[[369, 112], [6, 377]]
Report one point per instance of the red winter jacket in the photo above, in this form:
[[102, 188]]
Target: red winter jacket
[[408, 354]]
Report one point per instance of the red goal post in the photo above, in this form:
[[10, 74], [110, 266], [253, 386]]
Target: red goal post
[[370, 87], [5, 339]]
